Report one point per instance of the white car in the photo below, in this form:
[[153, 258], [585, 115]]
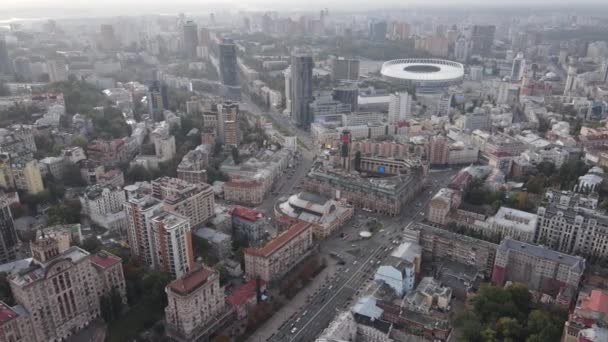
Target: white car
[[294, 330]]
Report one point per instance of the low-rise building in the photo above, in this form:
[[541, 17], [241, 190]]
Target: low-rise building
[[108, 152], [591, 309], [220, 244], [276, 257], [516, 224], [245, 297], [429, 294], [396, 273]]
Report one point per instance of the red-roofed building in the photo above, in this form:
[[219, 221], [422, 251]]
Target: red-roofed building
[[15, 325], [108, 152], [279, 255], [247, 224], [109, 273], [591, 309], [244, 297], [194, 303]]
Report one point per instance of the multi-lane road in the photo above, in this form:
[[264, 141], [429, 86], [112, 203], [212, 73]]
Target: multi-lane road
[[343, 287], [340, 291]]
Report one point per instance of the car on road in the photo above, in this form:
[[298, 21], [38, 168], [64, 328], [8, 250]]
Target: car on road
[[293, 331]]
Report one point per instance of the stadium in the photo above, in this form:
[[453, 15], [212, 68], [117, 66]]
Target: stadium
[[425, 73]]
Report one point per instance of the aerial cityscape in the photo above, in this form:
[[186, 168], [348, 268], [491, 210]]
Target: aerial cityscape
[[307, 172]]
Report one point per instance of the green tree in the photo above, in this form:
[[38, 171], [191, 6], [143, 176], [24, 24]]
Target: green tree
[[235, 155], [6, 295], [80, 141], [105, 307], [64, 213], [91, 245], [72, 176], [116, 301]]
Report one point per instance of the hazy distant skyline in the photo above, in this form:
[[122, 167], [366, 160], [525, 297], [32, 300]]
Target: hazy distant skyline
[[10, 8]]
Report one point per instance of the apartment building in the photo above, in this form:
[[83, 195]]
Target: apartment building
[[173, 243], [441, 204], [60, 292], [15, 324], [108, 152], [140, 209], [104, 205], [21, 173], [279, 255], [17, 139], [194, 201], [193, 167], [568, 224], [8, 235], [539, 268], [195, 305], [244, 191], [516, 224], [248, 224], [440, 244]]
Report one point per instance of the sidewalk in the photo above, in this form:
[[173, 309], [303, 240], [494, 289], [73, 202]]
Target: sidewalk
[[294, 305]]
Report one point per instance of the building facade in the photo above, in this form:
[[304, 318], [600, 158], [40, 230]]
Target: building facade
[[301, 89], [105, 206], [172, 243], [279, 255], [244, 191], [194, 201], [195, 303], [140, 209], [248, 224], [566, 226], [539, 268], [8, 235], [61, 291]]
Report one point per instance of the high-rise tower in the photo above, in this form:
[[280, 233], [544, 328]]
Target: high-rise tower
[[190, 39], [228, 67], [8, 235], [301, 89]]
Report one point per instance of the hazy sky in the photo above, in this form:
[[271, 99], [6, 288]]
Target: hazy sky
[[12, 8]]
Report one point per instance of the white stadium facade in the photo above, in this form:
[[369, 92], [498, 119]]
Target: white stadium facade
[[425, 73]]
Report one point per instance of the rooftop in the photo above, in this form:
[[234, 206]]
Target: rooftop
[[514, 218], [544, 253], [243, 293], [212, 235], [190, 281], [104, 259], [6, 313], [596, 301], [246, 213], [273, 245]]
